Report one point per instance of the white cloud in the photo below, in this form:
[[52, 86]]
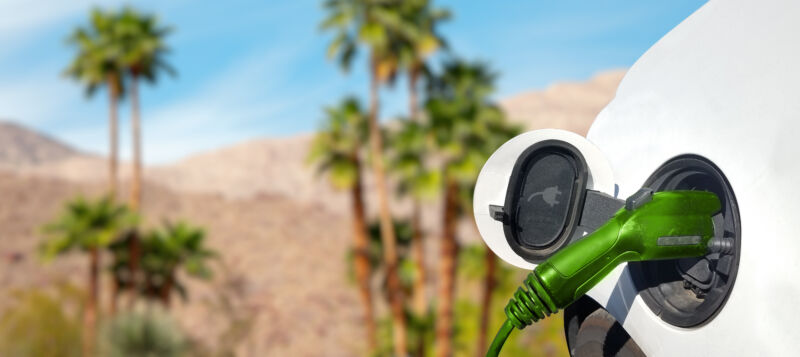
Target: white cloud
[[22, 16], [22, 20], [229, 108], [34, 99]]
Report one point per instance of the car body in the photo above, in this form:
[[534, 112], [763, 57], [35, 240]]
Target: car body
[[722, 85]]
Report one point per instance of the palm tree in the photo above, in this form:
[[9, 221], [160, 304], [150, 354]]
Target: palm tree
[[418, 30], [467, 127], [368, 23], [96, 64], [337, 150], [143, 52], [88, 226], [178, 246]]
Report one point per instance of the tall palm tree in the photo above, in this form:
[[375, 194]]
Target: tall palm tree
[[88, 226], [420, 39], [368, 23], [97, 64], [140, 39], [467, 127], [176, 246], [143, 51], [337, 149]]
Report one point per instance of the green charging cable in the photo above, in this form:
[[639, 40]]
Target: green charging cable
[[651, 226]]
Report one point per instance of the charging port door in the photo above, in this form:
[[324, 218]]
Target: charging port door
[[544, 199]]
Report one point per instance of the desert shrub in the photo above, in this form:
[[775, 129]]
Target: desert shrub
[[41, 322], [143, 334]]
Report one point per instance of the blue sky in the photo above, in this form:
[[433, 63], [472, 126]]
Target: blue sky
[[252, 69]]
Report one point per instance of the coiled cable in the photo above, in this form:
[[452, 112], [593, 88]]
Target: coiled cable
[[531, 303]]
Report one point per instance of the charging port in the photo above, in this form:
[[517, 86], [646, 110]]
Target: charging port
[[689, 292]]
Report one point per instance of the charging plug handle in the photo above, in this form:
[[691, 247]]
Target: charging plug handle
[[651, 226]]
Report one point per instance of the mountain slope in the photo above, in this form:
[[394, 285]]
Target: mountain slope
[[278, 166], [23, 147], [568, 105]]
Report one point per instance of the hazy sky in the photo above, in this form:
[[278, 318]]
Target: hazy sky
[[258, 68]]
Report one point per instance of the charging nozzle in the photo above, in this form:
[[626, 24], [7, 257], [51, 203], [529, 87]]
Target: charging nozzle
[[651, 226]]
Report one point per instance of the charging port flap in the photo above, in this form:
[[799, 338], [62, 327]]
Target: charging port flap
[[544, 199]]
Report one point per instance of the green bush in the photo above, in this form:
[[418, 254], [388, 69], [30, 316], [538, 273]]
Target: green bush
[[143, 334], [42, 322]]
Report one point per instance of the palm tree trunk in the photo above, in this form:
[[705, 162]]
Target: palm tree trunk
[[387, 226], [113, 89], [166, 290], [447, 272], [113, 299], [362, 265], [418, 254], [413, 78], [417, 247], [136, 184], [486, 300], [90, 312]]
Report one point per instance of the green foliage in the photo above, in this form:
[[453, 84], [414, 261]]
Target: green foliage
[[165, 250], [545, 338], [42, 323], [97, 61], [466, 125], [86, 224], [336, 148], [417, 328], [149, 333], [397, 32], [369, 23], [140, 39], [416, 27], [115, 43], [410, 149], [406, 267], [120, 265]]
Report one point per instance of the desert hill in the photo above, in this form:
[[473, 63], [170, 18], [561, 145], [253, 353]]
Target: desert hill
[[20, 147], [566, 105], [272, 268], [277, 167]]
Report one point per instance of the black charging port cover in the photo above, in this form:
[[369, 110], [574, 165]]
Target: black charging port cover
[[544, 199]]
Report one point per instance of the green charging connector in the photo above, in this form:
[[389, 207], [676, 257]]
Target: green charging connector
[[651, 226]]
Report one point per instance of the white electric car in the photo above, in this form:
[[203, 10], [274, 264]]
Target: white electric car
[[714, 105]]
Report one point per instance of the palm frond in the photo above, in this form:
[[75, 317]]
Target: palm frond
[[336, 148]]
